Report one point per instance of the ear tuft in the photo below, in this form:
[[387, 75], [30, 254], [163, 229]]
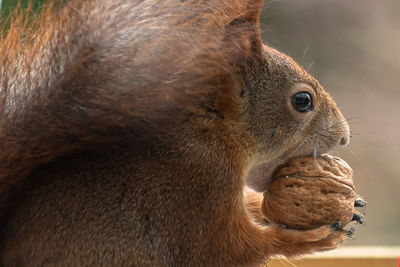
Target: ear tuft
[[244, 30], [253, 11]]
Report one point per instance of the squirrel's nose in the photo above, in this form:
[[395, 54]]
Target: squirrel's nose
[[345, 140]]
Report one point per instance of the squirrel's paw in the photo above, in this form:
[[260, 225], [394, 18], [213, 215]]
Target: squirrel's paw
[[296, 242]]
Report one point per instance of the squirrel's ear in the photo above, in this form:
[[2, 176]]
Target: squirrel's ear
[[244, 30]]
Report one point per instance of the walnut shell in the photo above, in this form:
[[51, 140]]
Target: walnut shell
[[307, 193]]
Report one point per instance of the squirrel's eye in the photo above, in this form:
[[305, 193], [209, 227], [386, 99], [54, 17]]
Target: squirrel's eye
[[302, 102]]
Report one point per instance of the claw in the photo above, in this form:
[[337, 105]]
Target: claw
[[337, 226], [349, 233], [360, 203], [357, 217]]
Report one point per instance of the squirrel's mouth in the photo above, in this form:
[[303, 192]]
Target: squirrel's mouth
[[259, 175]]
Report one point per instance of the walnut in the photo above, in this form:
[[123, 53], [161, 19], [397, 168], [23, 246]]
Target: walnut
[[309, 192]]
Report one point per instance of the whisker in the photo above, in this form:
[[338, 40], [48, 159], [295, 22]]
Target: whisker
[[310, 66], [336, 125], [315, 148], [305, 52], [297, 149], [355, 119], [327, 138]]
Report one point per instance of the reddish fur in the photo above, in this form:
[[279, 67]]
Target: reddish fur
[[160, 102]]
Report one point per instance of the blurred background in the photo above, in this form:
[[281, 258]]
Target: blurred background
[[352, 48]]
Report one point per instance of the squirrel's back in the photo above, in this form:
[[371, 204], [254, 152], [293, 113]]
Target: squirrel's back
[[106, 72]]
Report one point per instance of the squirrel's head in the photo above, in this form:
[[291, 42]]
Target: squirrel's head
[[286, 111], [289, 114]]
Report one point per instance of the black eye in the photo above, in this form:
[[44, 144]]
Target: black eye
[[302, 102]]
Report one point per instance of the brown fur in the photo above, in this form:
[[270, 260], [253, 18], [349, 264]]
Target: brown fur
[[128, 130]]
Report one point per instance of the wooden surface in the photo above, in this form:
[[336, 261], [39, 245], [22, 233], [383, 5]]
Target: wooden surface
[[346, 257]]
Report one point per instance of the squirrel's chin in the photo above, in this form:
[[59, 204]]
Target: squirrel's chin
[[259, 175]]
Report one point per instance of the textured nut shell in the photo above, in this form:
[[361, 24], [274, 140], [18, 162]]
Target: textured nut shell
[[307, 193]]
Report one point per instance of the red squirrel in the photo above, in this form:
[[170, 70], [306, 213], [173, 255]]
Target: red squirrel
[[130, 129]]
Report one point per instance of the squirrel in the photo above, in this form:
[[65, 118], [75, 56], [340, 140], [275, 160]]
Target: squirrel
[[130, 132]]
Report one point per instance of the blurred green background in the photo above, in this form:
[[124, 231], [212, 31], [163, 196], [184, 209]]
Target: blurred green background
[[352, 47], [7, 5]]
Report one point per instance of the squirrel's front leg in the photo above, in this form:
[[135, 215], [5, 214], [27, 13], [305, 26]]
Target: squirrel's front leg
[[277, 240], [293, 243], [253, 202]]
